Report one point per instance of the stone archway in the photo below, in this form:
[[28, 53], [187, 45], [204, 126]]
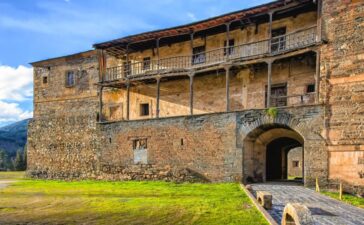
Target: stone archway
[[265, 152], [256, 129]]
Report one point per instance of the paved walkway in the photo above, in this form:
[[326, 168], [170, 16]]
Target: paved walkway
[[325, 211]]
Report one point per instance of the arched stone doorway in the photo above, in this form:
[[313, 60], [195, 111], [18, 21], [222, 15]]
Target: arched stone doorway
[[257, 128], [265, 152]]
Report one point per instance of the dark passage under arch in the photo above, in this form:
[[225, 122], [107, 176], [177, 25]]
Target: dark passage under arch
[[276, 157]]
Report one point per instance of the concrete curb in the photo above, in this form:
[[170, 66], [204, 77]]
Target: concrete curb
[[264, 212]]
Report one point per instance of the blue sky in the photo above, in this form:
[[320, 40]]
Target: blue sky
[[32, 30]]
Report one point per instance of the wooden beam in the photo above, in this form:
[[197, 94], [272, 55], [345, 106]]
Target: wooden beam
[[128, 101], [270, 30], [158, 96], [100, 104], [191, 75], [227, 83], [227, 40]]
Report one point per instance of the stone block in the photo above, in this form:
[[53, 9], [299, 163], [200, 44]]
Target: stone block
[[296, 214], [265, 199]]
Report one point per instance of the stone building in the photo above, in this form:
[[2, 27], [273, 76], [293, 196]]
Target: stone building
[[223, 99]]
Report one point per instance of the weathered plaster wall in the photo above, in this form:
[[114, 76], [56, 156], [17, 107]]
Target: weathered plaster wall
[[342, 82], [247, 91]]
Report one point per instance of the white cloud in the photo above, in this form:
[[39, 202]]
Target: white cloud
[[191, 16], [11, 112], [16, 86]]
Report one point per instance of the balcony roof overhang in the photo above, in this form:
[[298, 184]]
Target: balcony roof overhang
[[182, 33]]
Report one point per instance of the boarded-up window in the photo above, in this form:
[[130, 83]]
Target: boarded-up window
[[70, 79], [140, 151]]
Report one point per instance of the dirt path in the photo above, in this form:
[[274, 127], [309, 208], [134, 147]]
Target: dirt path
[[5, 183]]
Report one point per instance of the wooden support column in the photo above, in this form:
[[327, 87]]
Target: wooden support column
[[191, 44], [102, 65], [228, 40], [227, 76], [100, 104], [158, 96], [191, 75], [270, 30], [158, 56], [269, 86], [128, 101], [317, 76]]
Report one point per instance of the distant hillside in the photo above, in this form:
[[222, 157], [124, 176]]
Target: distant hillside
[[14, 137]]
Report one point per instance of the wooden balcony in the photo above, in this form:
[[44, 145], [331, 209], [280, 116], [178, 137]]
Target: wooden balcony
[[182, 64]]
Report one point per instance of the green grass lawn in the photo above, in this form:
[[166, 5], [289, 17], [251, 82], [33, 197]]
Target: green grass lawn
[[350, 199], [98, 202]]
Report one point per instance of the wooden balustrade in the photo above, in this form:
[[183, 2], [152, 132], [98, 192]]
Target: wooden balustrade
[[276, 45]]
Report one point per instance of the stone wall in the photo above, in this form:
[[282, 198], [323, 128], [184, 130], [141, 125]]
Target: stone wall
[[342, 82], [294, 162], [204, 148]]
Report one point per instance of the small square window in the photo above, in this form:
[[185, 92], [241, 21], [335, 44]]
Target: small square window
[[295, 164], [45, 80], [310, 88], [140, 144], [70, 79], [144, 109], [146, 63]]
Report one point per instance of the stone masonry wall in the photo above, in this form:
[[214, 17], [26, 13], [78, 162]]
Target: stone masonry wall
[[198, 148], [342, 82]]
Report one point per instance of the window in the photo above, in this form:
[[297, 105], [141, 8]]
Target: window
[[144, 109], [278, 95], [45, 80], [278, 42], [140, 144], [231, 46], [146, 63], [198, 55], [70, 79], [310, 88], [295, 164]]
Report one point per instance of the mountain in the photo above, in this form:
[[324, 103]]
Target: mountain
[[14, 137]]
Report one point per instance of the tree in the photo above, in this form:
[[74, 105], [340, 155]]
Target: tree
[[25, 156], [19, 164], [3, 159]]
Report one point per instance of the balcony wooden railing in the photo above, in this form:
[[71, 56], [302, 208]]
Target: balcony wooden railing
[[276, 45], [292, 100]]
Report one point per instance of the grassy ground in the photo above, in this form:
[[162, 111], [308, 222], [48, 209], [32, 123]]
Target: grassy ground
[[91, 202], [350, 199]]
